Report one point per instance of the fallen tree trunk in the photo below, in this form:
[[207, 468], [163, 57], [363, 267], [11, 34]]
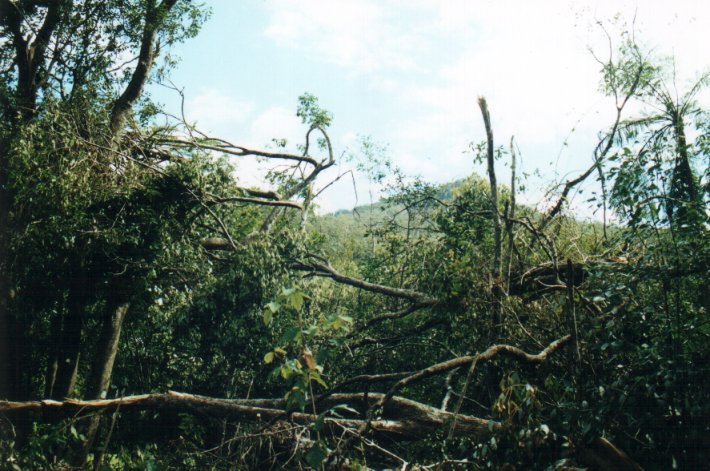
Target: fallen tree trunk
[[401, 419]]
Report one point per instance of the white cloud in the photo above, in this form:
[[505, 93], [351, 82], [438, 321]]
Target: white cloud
[[359, 35], [276, 122], [429, 60], [529, 59], [234, 119], [216, 111]]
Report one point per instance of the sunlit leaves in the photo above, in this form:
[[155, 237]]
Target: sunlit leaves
[[311, 113]]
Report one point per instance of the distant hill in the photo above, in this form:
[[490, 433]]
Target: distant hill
[[353, 229]]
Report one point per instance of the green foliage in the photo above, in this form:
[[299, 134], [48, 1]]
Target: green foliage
[[298, 366], [95, 221], [311, 113]]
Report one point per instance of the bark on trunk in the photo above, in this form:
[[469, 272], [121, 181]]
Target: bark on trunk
[[683, 185], [495, 216], [100, 377], [401, 419], [70, 341], [107, 348], [4, 278], [153, 21], [511, 216]]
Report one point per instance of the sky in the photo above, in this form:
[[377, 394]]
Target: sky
[[407, 74]]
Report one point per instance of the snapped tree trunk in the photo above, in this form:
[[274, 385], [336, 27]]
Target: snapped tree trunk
[[495, 216], [511, 216]]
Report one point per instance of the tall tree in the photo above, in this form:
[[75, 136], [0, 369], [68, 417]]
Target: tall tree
[[55, 54]]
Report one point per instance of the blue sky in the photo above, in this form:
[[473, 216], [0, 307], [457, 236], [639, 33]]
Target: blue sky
[[408, 73]]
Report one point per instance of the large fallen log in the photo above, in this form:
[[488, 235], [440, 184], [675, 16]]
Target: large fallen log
[[401, 419], [397, 417]]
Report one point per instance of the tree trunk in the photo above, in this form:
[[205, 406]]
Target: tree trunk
[[511, 216], [683, 185], [70, 338], [4, 277], [496, 284], [402, 419], [53, 361], [102, 369], [107, 348]]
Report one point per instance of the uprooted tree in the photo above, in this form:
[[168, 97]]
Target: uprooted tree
[[133, 261]]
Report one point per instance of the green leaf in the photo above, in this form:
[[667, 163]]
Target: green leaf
[[311, 330], [295, 399], [318, 424], [291, 334], [317, 378], [316, 454], [269, 358], [280, 351], [295, 299], [286, 372], [267, 316]]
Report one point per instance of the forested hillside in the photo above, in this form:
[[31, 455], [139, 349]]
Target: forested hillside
[[156, 313]]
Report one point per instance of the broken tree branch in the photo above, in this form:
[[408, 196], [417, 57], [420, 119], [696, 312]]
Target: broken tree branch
[[390, 316], [600, 152], [238, 151], [489, 354], [315, 268], [496, 282], [381, 404], [402, 419]]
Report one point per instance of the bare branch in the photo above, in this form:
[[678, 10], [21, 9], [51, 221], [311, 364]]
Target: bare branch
[[325, 270], [510, 213], [391, 315], [600, 152], [219, 145], [496, 324], [489, 354], [495, 216], [403, 419], [263, 202]]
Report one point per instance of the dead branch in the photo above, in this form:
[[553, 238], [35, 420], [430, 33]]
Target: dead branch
[[489, 354], [381, 405], [390, 316], [402, 335], [600, 152], [259, 201], [219, 145], [495, 216], [510, 214], [401, 419], [315, 268]]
